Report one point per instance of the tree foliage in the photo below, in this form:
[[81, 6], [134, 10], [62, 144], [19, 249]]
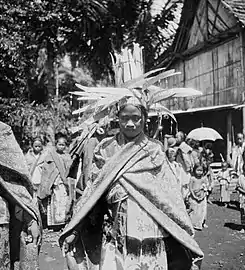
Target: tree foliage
[[154, 29], [36, 34], [29, 120]]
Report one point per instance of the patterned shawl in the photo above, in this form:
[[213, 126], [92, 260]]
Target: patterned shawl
[[141, 167], [54, 166], [15, 178]]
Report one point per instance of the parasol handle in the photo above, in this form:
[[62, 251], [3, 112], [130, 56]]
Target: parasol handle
[[159, 128], [233, 135], [222, 158]]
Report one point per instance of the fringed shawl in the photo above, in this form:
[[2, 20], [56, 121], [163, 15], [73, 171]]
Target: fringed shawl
[[15, 179], [17, 189], [141, 167]]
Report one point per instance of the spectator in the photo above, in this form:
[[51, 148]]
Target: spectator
[[237, 154]]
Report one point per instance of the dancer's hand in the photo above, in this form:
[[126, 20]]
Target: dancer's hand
[[34, 231], [69, 243]]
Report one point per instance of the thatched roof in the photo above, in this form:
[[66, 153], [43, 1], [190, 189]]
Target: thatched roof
[[190, 7], [237, 7]]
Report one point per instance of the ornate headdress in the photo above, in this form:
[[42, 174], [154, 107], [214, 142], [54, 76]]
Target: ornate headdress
[[140, 90], [133, 85]]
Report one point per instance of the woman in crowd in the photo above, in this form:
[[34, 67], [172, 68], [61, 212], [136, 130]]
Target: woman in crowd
[[198, 197], [134, 195], [55, 188], [241, 191], [88, 156], [185, 158], [19, 215], [196, 151], [206, 159], [237, 155], [35, 158], [178, 170]]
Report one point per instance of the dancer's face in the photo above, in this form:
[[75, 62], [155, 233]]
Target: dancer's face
[[131, 121]]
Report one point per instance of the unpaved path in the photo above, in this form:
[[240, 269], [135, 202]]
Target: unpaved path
[[222, 243]]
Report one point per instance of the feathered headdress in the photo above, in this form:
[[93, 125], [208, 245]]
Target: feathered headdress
[[141, 88], [127, 66]]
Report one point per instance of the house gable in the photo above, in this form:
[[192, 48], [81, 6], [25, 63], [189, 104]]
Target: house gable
[[211, 19]]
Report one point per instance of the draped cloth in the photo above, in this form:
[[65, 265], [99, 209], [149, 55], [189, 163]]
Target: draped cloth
[[241, 192], [141, 168], [34, 164], [56, 187], [198, 201], [237, 158], [17, 190], [224, 178]]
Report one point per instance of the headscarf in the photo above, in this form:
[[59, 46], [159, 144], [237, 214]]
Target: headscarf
[[135, 102]]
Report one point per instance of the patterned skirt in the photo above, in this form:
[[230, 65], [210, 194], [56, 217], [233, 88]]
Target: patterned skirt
[[198, 212], [4, 247], [137, 242], [57, 204]]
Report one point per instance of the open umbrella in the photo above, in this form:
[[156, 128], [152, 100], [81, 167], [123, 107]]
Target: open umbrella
[[204, 133]]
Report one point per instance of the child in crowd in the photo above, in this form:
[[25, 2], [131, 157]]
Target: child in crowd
[[55, 189], [208, 173], [224, 177], [241, 191], [198, 197]]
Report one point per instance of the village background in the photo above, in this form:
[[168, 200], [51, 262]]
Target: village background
[[48, 46]]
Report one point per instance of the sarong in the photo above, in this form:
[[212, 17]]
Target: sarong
[[4, 247]]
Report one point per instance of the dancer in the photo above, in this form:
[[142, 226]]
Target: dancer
[[132, 184], [20, 230]]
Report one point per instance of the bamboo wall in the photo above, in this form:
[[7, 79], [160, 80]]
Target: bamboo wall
[[217, 73]]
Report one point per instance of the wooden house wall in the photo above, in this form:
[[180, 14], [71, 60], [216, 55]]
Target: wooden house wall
[[217, 73]]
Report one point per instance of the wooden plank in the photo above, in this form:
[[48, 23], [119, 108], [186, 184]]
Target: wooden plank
[[242, 55], [224, 18], [215, 76], [206, 19], [229, 134], [198, 29], [217, 73], [215, 18]]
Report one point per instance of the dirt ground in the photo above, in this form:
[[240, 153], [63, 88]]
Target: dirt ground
[[222, 242]]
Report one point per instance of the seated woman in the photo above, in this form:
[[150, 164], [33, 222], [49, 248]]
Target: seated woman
[[134, 196], [19, 215]]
